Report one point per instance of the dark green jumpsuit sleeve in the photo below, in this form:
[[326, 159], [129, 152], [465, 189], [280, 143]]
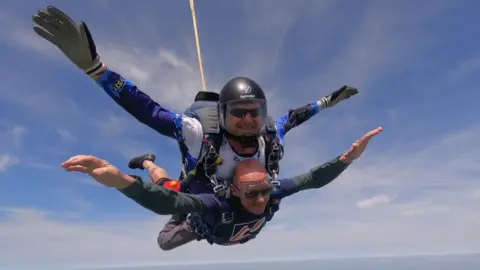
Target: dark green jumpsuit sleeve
[[161, 200], [320, 175]]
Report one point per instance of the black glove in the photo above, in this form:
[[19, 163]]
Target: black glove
[[341, 94], [75, 41]]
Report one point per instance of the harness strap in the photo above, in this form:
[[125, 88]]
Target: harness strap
[[209, 157], [209, 160], [183, 149], [205, 110], [184, 154], [204, 232], [273, 149]]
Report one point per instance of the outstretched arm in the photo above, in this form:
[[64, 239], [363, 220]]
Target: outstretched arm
[[126, 94], [327, 172], [76, 43], [315, 178], [161, 200], [153, 197], [294, 118]]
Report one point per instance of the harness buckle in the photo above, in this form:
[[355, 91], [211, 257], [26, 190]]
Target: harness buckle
[[220, 190], [212, 153], [210, 163]]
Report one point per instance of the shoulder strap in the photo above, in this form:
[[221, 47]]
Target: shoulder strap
[[275, 195], [271, 127], [273, 149], [205, 110], [218, 140], [207, 162]]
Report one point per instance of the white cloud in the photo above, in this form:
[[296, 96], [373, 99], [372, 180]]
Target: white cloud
[[467, 68], [12, 134], [86, 181], [18, 133], [167, 77], [435, 181], [172, 80], [66, 135], [14, 34], [39, 165], [25, 233], [412, 213], [7, 161], [162, 73], [379, 43], [476, 194], [425, 209], [374, 201]]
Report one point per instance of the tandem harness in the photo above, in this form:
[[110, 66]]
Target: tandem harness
[[209, 157], [206, 110], [204, 231]]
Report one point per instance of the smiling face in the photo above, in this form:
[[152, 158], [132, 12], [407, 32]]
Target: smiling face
[[245, 118], [252, 186]]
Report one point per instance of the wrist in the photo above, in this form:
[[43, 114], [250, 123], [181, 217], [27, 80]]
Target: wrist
[[323, 102], [97, 69], [345, 159], [125, 181]]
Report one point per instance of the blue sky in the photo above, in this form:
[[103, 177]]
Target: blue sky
[[416, 65]]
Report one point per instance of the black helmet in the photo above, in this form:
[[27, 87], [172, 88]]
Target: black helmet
[[241, 90]]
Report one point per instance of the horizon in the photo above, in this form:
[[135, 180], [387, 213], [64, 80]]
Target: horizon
[[400, 256]]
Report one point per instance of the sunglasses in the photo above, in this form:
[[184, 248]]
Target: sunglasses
[[254, 194], [241, 112]]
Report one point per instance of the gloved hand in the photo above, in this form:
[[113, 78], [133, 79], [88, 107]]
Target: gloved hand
[[75, 41], [341, 94]]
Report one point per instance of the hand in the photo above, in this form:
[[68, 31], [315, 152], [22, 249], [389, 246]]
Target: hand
[[99, 169], [75, 41], [359, 146], [341, 94]]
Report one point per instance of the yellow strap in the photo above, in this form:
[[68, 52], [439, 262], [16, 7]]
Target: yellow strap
[[197, 41]]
